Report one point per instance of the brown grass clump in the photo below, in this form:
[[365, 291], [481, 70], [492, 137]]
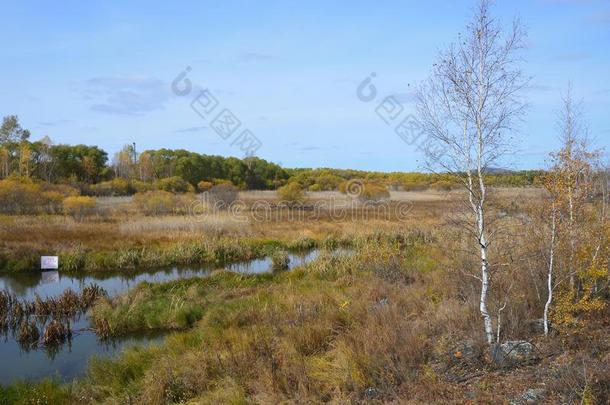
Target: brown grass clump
[[56, 333], [28, 335], [25, 319]]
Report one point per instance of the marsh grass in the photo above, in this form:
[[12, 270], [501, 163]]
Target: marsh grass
[[381, 325], [44, 322], [214, 225], [332, 329], [121, 235]]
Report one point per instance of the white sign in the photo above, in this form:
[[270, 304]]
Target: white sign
[[49, 262]]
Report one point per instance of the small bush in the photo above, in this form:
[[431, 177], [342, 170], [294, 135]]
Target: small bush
[[374, 192], [442, 185], [365, 191], [142, 186], [223, 195], [291, 194], [79, 207], [112, 188], [204, 186], [156, 202], [23, 196], [280, 261], [174, 185]]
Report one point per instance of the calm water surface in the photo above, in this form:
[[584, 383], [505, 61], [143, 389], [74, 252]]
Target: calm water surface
[[71, 360]]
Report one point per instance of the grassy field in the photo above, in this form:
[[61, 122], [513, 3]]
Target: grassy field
[[120, 236], [395, 322]]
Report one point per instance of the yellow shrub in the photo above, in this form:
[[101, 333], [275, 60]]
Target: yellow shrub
[[292, 193], [79, 206], [442, 185], [374, 192], [156, 202], [23, 196], [204, 186], [115, 187]]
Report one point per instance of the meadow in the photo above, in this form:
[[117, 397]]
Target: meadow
[[395, 321]]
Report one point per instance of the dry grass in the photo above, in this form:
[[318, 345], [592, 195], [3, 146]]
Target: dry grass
[[185, 227], [121, 227], [381, 326]]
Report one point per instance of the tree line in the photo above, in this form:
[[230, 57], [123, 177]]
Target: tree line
[[91, 169], [82, 165]]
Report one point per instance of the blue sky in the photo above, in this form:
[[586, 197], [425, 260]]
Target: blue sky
[[82, 72]]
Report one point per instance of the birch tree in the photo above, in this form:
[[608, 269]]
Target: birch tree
[[468, 108], [554, 185], [572, 183]]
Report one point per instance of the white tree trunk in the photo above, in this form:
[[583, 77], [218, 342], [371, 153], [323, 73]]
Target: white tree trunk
[[547, 305], [572, 241], [484, 283]]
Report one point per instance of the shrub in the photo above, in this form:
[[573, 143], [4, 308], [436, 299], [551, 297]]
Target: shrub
[[442, 185], [291, 194], [156, 202], [415, 186], [114, 187], [223, 195], [174, 185], [365, 191], [280, 261], [23, 196], [327, 182], [204, 186], [79, 206], [374, 192], [142, 186]]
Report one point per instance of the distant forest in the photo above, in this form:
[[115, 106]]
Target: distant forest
[[90, 169]]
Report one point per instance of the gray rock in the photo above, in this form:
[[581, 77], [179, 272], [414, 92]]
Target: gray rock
[[514, 350], [530, 396], [464, 351], [384, 302], [371, 392]]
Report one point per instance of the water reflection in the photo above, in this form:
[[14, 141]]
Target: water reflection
[[70, 360]]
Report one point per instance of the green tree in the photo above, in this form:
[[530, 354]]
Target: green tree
[[11, 130]]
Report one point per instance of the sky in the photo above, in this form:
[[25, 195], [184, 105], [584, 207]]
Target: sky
[[101, 73]]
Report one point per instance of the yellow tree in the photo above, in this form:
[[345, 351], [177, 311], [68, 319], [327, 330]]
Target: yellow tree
[[146, 167], [25, 158], [580, 246], [5, 162], [89, 168]]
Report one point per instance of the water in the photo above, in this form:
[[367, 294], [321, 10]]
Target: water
[[71, 360]]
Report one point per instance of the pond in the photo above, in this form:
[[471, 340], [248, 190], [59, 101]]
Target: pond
[[70, 360]]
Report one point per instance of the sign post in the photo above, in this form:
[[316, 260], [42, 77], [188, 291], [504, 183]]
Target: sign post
[[49, 262]]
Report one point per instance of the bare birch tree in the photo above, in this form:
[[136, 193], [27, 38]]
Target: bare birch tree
[[554, 185], [468, 109], [570, 184]]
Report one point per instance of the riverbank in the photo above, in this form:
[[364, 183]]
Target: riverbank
[[390, 322], [121, 237]]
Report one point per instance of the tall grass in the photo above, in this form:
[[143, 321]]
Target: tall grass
[[334, 328]]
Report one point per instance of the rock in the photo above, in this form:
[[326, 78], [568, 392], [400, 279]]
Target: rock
[[371, 392], [515, 350], [384, 302], [464, 351], [530, 396]]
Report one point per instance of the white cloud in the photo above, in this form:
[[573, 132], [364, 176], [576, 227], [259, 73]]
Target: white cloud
[[126, 95]]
